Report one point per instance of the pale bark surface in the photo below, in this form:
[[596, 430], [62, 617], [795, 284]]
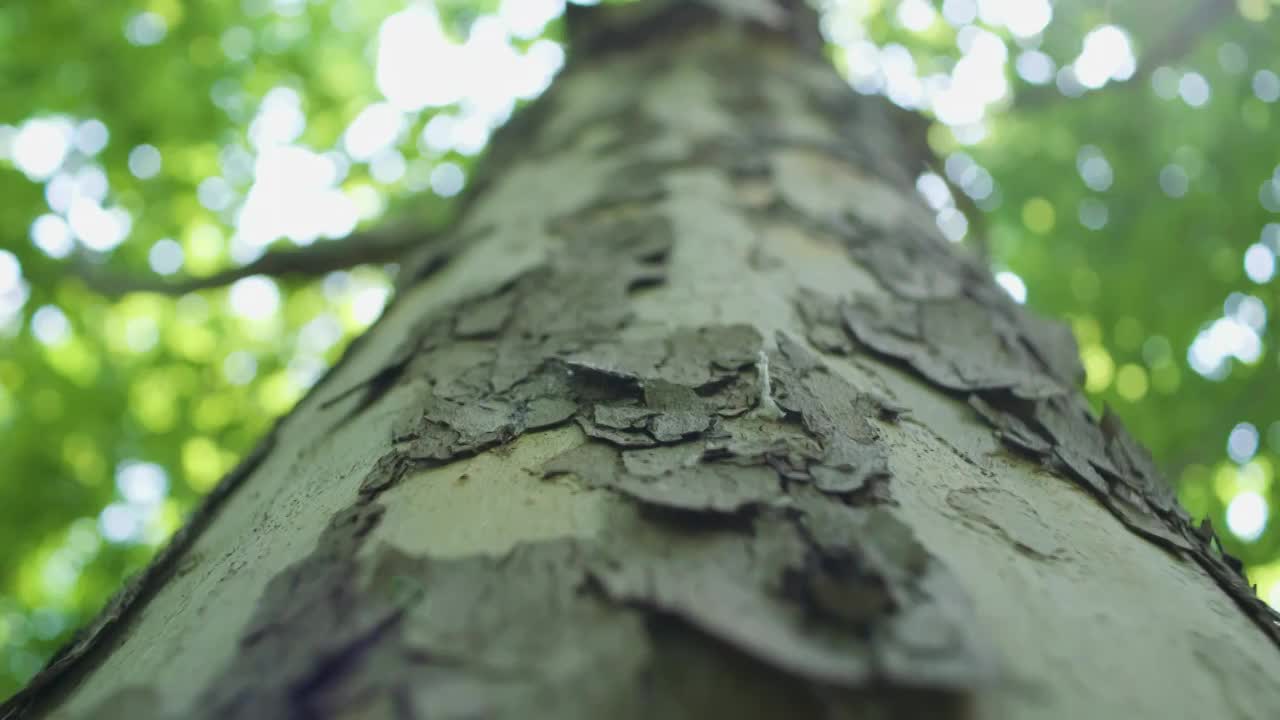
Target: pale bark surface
[[696, 416]]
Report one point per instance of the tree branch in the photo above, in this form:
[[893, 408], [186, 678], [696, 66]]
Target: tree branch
[[1185, 36], [383, 244]]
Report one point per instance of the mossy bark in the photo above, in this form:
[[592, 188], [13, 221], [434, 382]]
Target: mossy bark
[[694, 414]]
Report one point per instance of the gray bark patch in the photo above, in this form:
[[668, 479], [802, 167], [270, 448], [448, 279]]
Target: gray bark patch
[[741, 532], [1009, 516]]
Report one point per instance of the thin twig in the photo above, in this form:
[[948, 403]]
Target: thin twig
[[382, 244]]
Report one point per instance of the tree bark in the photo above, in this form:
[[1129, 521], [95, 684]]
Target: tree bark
[[696, 415]]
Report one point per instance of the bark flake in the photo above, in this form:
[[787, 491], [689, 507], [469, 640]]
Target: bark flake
[[750, 532], [1021, 375]]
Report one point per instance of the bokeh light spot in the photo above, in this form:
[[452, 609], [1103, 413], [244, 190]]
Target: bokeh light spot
[[1094, 168], [201, 463], [1255, 10], [1131, 382], [1247, 516], [144, 162], [141, 334], [1107, 55], [953, 224], [1038, 215], [120, 523], [52, 235], [1266, 86], [165, 256], [1093, 213], [14, 291], [914, 15], [237, 43], [1193, 88], [255, 297], [1013, 285], [447, 179], [41, 146], [374, 129], [294, 195], [525, 19], [50, 325], [960, 12], [99, 229], [1259, 263], [215, 194], [240, 368], [279, 120], [1242, 442], [1098, 367], [934, 190], [1035, 67], [407, 42], [1227, 337], [146, 28], [91, 137], [142, 483], [1024, 18], [1269, 195], [387, 167], [367, 304]]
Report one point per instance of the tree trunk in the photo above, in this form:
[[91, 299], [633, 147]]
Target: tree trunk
[[695, 416]]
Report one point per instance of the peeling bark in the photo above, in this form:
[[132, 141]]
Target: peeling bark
[[696, 415]]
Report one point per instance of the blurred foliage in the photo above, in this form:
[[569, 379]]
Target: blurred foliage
[[154, 136]]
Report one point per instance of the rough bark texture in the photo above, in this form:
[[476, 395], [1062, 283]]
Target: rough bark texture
[[696, 416]]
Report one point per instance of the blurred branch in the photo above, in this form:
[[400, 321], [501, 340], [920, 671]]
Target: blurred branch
[[1185, 36], [1178, 44], [385, 243]]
